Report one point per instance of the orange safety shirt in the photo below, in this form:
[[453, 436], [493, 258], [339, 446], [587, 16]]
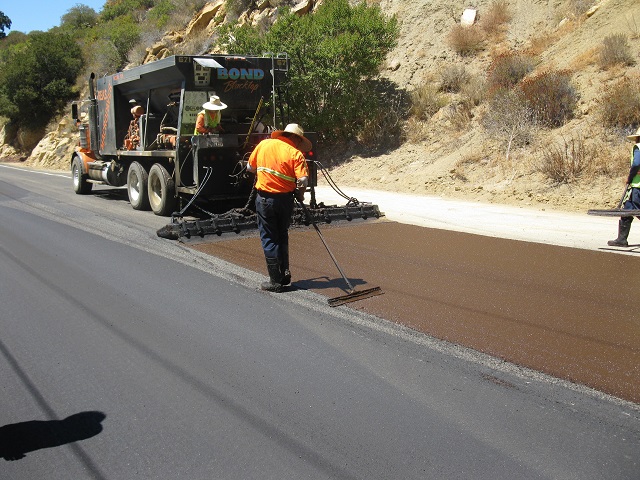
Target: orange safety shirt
[[277, 163]]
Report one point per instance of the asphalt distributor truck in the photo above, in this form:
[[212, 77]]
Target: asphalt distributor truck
[[137, 129]]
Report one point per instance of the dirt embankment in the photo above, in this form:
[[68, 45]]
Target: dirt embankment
[[470, 163]]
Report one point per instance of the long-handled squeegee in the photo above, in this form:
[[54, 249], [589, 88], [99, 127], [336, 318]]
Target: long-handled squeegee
[[617, 212], [353, 295]]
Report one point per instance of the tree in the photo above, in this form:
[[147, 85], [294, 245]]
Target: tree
[[79, 17], [5, 22], [112, 10], [121, 32], [161, 13], [124, 33], [336, 54], [37, 78]]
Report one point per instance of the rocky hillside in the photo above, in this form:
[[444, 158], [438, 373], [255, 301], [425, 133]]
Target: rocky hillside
[[444, 155]]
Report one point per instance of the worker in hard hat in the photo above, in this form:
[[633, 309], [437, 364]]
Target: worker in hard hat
[[282, 173], [631, 200], [208, 120]]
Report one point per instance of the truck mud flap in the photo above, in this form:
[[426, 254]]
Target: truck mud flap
[[246, 220]]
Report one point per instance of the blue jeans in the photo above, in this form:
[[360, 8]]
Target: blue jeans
[[632, 203], [274, 217]]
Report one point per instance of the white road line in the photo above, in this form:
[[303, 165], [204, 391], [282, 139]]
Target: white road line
[[36, 171]]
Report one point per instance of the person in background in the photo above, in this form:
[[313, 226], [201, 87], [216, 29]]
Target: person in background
[[632, 197], [208, 120], [282, 173]]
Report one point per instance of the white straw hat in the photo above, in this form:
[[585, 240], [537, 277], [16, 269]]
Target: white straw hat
[[305, 144], [214, 104], [634, 137]]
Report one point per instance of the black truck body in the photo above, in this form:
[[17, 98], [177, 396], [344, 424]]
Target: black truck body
[[137, 129]]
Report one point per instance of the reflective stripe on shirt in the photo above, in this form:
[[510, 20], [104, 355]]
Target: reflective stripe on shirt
[[277, 174], [277, 163]]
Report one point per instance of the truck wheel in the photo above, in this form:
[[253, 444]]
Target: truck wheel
[[137, 178], [80, 184], [162, 191]]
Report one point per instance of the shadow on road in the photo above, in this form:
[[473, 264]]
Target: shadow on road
[[18, 439], [323, 283]]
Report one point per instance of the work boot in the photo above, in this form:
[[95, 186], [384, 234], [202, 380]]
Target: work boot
[[284, 265], [275, 282], [624, 226]]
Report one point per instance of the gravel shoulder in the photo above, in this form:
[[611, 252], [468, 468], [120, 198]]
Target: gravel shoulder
[[504, 221]]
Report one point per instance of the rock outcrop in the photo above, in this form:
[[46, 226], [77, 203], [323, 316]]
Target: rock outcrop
[[56, 148], [210, 12]]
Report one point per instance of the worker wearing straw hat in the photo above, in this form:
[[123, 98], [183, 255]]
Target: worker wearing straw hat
[[282, 173], [208, 120], [631, 200]]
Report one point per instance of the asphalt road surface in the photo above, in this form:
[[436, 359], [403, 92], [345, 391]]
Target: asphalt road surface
[[123, 355], [562, 311]]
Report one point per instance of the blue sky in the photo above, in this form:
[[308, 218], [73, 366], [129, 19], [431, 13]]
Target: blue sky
[[29, 15]]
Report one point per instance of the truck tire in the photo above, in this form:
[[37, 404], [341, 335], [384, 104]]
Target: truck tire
[[137, 180], [162, 191], [80, 184]]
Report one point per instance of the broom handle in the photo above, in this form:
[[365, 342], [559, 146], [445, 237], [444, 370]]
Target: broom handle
[[335, 262]]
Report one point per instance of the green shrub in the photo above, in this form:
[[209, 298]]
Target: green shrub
[[14, 38], [615, 50], [507, 70], [79, 17], [103, 58], [551, 97], [36, 81], [336, 53], [382, 128], [121, 8], [123, 32], [161, 13], [619, 104]]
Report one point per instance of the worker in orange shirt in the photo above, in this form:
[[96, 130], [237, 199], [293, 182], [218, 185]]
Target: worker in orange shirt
[[282, 173], [208, 120]]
